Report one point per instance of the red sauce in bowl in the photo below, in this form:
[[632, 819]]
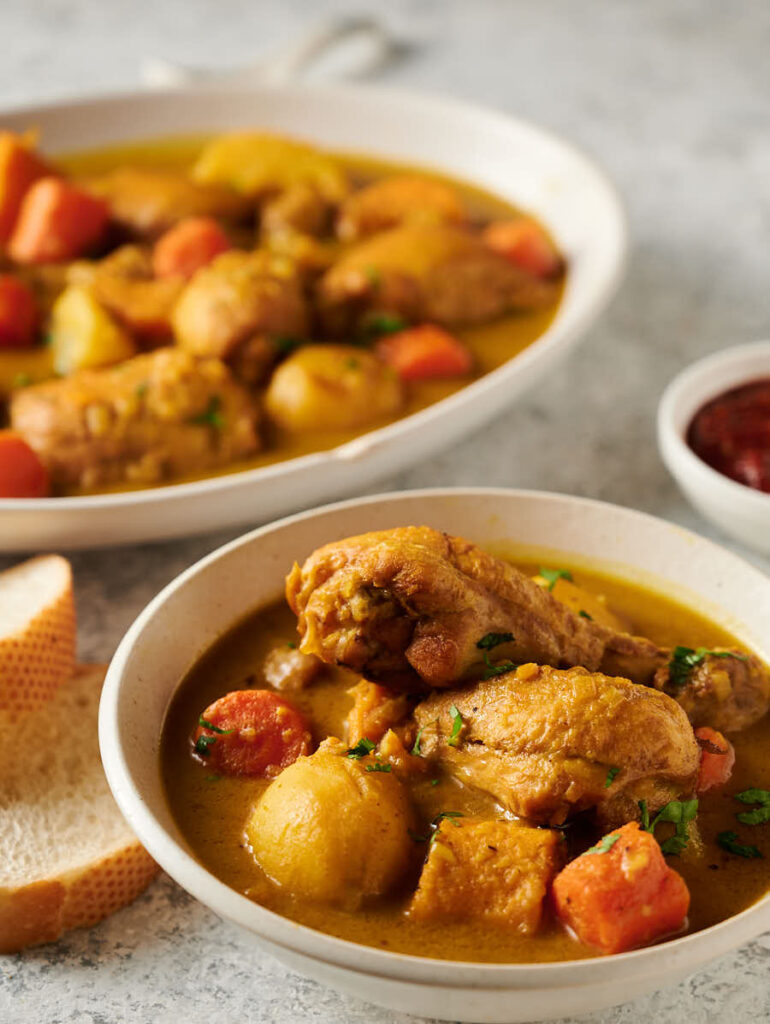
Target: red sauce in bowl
[[732, 434]]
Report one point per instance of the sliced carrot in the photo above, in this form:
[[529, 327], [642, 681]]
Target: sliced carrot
[[251, 732], [525, 243], [18, 313], [22, 474], [621, 894], [57, 221], [188, 246], [717, 758], [19, 168], [419, 353]]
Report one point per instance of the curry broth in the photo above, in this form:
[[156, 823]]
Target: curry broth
[[211, 811], [492, 344]]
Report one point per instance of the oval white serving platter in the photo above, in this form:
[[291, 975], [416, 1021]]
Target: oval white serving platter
[[510, 157], [206, 600]]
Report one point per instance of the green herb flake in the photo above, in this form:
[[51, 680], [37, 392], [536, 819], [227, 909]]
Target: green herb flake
[[22, 380], [604, 845], [679, 813], [611, 773], [729, 841], [584, 615], [487, 644], [685, 659], [285, 345], [361, 749], [291, 645], [759, 815], [434, 782], [211, 415], [378, 766], [352, 363], [213, 778], [202, 745], [378, 324], [205, 724], [430, 835], [552, 576], [492, 640], [457, 724], [141, 389], [416, 750]]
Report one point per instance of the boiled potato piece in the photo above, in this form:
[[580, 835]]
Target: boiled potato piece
[[84, 335], [258, 164], [578, 600], [332, 387], [330, 831]]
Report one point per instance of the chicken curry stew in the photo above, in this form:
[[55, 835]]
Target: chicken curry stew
[[442, 753], [183, 309]]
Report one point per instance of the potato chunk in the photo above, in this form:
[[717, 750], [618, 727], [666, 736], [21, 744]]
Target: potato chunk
[[330, 831], [259, 164], [493, 871], [84, 335], [332, 387]]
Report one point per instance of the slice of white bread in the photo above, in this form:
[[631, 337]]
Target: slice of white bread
[[37, 632], [67, 857]]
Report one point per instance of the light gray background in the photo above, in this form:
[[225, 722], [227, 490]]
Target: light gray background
[[674, 100]]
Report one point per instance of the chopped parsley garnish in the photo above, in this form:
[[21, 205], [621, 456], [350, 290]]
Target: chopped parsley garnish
[[22, 380], [685, 659], [204, 722], [729, 841], [361, 749], [213, 778], [604, 845], [211, 415], [679, 813], [487, 644], [383, 323], [611, 773], [584, 615], [434, 782], [432, 832], [141, 389], [378, 766], [291, 645], [760, 815], [286, 344], [457, 724], [552, 576], [416, 751]]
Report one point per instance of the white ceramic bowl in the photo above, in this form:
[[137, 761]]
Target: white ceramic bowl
[[740, 511], [509, 157], [203, 602]]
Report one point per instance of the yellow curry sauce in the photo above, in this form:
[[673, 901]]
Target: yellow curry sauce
[[211, 811], [491, 344]]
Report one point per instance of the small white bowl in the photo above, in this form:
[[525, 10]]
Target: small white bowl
[[740, 511], [206, 600]]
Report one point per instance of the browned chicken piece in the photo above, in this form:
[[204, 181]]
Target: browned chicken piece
[[152, 418], [300, 208], [145, 202], [410, 607], [547, 743], [124, 283], [403, 198], [240, 299], [286, 668], [498, 872], [437, 273], [375, 710]]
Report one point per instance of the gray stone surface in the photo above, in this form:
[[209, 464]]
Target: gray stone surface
[[674, 100]]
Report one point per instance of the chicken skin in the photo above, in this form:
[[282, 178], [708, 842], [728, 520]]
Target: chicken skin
[[412, 608], [548, 743], [153, 417], [434, 273]]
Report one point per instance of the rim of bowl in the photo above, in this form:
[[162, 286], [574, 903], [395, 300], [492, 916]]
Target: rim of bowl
[[319, 946], [698, 383], [614, 262]]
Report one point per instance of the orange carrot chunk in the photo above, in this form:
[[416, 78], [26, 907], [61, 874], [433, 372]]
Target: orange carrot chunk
[[22, 474], [419, 353], [525, 243], [19, 168], [18, 313], [251, 732], [57, 222], [621, 893], [717, 758], [188, 246]]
